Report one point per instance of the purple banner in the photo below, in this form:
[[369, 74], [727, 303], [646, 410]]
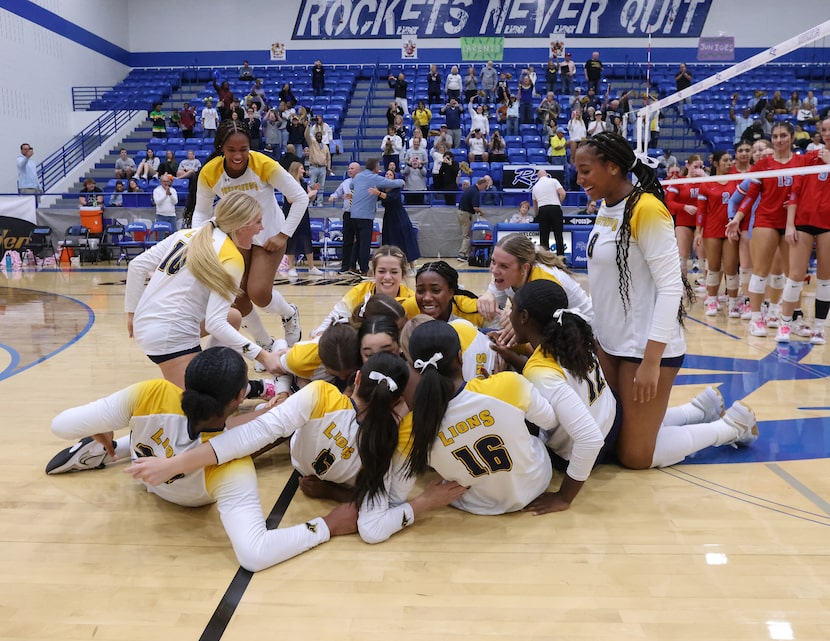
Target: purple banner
[[721, 48]]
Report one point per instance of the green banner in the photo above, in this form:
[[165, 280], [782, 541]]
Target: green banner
[[482, 48]]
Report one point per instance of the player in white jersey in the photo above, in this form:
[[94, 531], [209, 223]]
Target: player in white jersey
[[164, 424], [233, 167], [637, 288], [515, 262], [194, 276], [564, 368]]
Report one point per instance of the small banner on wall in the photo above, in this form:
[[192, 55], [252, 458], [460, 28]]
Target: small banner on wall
[[482, 48], [409, 48], [557, 45], [721, 48], [278, 51]]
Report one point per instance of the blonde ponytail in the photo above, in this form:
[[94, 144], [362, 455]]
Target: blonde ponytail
[[235, 210]]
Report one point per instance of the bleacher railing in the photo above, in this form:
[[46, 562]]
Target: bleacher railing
[[59, 164], [82, 97], [363, 123]]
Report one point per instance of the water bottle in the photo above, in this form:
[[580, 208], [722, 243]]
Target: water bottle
[[8, 261]]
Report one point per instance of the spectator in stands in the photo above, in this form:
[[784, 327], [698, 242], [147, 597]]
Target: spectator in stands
[[811, 100], [437, 154], [364, 208], [557, 149], [188, 121], [391, 147], [399, 86], [290, 156], [478, 120], [742, 121], [767, 122], [590, 209], [416, 135], [91, 195], [415, 175], [593, 72], [117, 197], [210, 120], [165, 199], [393, 111], [149, 167], [816, 143], [597, 125], [324, 128], [319, 161], [512, 114], [27, 182], [417, 149], [567, 72], [682, 80], [477, 145], [189, 166], [754, 132], [793, 103], [444, 137], [124, 165], [523, 216], [227, 110], [454, 84], [666, 161], [489, 78], [548, 110], [452, 110], [318, 78], [808, 113], [498, 148], [531, 73], [801, 138], [159, 121], [255, 127], [274, 131], [503, 92], [257, 94], [577, 131], [296, 132], [287, 96], [470, 84], [550, 76], [400, 128], [133, 187], [777, 104], [448, 178], [169, 165], [469, 208], [526, 99], [223, 91], [421, 117], [176, 120], [434, 85], [246, 71]]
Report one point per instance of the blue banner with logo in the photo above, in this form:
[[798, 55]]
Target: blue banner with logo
[[373, 19]]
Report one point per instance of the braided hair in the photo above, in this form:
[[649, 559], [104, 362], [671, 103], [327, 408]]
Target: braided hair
[[450, 275], [614, 148], [225, 130], [212, 380]]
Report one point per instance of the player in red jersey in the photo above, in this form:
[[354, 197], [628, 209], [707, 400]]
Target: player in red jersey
[[682, 201]]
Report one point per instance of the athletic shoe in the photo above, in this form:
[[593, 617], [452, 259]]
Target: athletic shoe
[[711, 307], [735, 310], [746, 310], [292, 273], [291, 325], [817, 338], [314, 271], [773, 320], [86, 454], [462, 258], [803, 329], [710, 402], [723, 298], [742, 418], [269, 347], [783, 334], [700, 289], [269, 390], [757, 328]]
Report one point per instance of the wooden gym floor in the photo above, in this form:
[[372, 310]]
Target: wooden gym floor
[[732, 545]]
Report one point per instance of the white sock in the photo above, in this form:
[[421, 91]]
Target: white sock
[[253, 323], [122, 447], [676, 442], [683, 415], [278, 305]]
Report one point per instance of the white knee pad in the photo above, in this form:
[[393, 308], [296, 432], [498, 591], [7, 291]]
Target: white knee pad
[[745, 275], [757, 284], [792, 291], [732, 282], [823, 290], [712, 279], [776, 281]]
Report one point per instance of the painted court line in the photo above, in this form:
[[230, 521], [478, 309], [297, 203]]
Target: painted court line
[[802, 489]]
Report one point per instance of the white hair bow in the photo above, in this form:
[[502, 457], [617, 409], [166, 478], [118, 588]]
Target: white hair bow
[[379, 376], [365, 302], [557, 315], [433, 360]]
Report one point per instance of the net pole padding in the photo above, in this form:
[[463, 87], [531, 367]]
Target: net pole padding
[[811, 35]]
